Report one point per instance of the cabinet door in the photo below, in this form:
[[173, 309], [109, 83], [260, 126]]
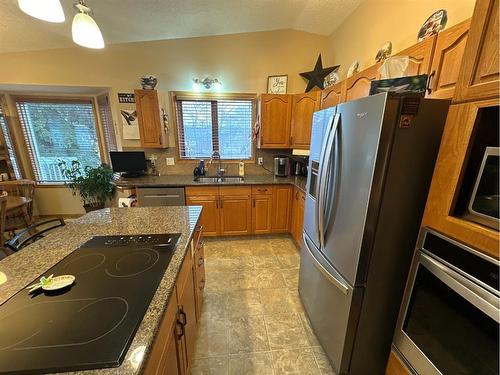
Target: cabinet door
[[450, 47], [303, 108], [261, 213], [479, 74], [235, 210], [199, 267], [395, 366], [420, 56], [187, 307], [275, 116], [167, 353], [282, 205], [300, 217], [151, 127], [358, 85], [333, 95], [294, 216], [210, 202]]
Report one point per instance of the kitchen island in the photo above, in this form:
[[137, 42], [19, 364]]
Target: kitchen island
[[20, 269]]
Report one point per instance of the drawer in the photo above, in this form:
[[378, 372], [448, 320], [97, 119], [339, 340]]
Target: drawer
[[202, 191], [235, 190], [262, 189], [152, 197]]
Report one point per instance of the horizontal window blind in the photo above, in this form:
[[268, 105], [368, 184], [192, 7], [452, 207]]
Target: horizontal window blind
[[58, 130], [107, 122], [223, 125], [9, 144]]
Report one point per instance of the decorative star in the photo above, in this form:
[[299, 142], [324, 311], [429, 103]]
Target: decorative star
[[317, 76]]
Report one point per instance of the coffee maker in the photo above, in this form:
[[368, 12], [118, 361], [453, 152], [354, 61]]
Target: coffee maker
[[298, 166], [281, 165]]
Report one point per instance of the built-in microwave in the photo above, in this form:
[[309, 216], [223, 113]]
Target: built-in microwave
[[483, 205], [449, 318]]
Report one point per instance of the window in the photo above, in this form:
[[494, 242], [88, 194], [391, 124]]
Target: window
[[58, 130], [8, 142], [212, 124]]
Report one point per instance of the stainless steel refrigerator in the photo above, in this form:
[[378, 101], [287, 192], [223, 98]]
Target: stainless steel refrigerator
[[370, 168]]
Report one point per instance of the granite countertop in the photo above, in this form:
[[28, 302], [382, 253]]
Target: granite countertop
[[187, 180], [20, 269]]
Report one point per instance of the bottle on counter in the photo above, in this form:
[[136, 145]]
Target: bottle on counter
[[241, 169]]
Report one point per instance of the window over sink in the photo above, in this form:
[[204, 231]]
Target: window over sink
[[209, 123]]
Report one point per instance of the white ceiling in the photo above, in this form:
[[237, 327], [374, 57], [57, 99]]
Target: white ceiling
[[142, 20]]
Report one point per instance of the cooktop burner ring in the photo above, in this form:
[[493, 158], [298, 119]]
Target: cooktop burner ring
[[152, 257], [94, 265]]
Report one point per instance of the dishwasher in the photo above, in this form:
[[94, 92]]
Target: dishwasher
[[153, 197]]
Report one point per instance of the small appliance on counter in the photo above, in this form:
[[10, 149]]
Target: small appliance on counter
[[298, 165], [128, 163], [281, 165]]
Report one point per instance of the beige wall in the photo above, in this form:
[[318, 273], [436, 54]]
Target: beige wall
[[241, 61], [375, 21]]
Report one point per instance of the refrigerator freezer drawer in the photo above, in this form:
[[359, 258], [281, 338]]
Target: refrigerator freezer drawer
[[331, 304]]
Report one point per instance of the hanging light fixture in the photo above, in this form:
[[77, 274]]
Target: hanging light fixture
[[85, 31], [47, 10]]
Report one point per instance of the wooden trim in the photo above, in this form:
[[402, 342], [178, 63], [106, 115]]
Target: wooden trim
[[8, 117], [52, 98], [186, 95]]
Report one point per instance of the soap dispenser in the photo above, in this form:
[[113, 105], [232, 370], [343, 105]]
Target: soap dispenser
[[241, 169]]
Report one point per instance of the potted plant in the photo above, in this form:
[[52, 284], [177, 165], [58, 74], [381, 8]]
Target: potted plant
[[93, 184]]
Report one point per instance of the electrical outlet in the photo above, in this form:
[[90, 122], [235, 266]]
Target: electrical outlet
[[170, 161], [260, 160]]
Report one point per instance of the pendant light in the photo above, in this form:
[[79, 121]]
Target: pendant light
[[84, 29], [47, 10]]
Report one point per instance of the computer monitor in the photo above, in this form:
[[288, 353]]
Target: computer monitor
[[128, 163]]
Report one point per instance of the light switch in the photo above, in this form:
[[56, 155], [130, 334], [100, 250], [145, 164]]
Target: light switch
[[260, 160], [170, 161]]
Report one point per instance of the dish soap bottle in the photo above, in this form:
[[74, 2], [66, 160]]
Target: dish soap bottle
[[241, 169]]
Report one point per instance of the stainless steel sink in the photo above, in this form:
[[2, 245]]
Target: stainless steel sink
[[219, 180]]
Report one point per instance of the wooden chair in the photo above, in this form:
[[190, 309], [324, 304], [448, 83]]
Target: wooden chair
[[3, 204], [33, 233], [21, 217]]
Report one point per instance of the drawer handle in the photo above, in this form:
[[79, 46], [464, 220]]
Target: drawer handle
[[201, 244], [202, 284], [262, 190], [183, 315], [199, 228], [179, 326], [200, 262]]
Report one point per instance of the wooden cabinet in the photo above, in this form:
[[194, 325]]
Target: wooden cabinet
[[303, 107], [358, 85], [395, 366], [282, 199], [479, 73], [449, 177], [333, 95], [297, 223], [208, 197], [152, 129], [275, 113], [199, 269], [173, 349], [262, 208], [235, 210], [448, 54], [420, 56]]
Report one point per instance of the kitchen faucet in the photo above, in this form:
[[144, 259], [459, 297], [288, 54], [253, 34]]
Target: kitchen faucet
[[220, 170]]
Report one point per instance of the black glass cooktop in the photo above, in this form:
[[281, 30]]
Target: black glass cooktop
[[90, 324]]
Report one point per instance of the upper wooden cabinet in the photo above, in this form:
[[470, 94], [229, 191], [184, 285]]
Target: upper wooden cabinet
[[479, 74], [303, 107], [333, 95], [358, 85], [275, 112], [448, 54], [420, 56], [152, 129], [469, 129]]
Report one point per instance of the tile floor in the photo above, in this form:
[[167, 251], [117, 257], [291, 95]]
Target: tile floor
[[252, 320]]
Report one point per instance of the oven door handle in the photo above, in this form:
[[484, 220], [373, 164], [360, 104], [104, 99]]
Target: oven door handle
[[485, 301]]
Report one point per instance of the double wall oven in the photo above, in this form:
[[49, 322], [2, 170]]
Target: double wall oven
[[449, 319]]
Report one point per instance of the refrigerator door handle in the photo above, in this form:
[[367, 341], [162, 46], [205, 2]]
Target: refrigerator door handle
[[317, 212], [326, 157], [334, 279]]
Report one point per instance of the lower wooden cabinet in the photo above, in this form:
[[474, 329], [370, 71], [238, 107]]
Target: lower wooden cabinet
[[282, 199], [208, 197], [395, 366], [297, 224], [262, 208], [173, 348], [235, 210]]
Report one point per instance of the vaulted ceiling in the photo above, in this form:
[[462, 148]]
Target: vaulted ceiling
[[124, 21]]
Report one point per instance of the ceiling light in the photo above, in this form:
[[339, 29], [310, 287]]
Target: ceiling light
[[85, 31], [47, 10], [207, 83]]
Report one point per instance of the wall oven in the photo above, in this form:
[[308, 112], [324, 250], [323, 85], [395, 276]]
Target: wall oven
[[449, 319]]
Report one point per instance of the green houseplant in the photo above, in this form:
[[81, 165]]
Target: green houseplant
[[93, 184]]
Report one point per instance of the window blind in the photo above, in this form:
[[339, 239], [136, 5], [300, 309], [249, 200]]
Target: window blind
[[58, 130], [8, 141], [107, 122], [223, 125]]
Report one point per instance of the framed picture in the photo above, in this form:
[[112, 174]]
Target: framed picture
[[277, 84]]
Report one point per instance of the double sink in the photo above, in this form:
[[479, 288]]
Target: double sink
[[219, 180]]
